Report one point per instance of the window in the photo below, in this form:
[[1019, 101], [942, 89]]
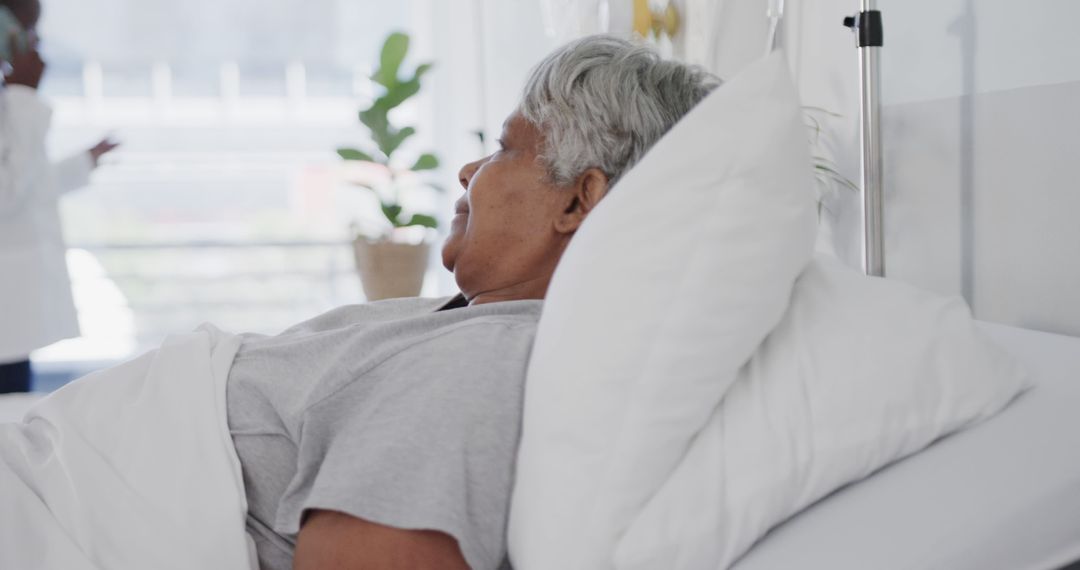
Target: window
[[224, 203]]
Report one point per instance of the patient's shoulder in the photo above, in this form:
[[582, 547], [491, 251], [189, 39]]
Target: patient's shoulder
[[448, 344], [376, 312], [477, 348], [417, 314]]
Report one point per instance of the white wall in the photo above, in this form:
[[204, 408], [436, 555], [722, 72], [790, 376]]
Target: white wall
[[980, 137], [981, 123], [722, 35], [514, 42]]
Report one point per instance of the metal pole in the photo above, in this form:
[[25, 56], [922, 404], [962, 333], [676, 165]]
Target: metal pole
[[868, 30], [775, 14]]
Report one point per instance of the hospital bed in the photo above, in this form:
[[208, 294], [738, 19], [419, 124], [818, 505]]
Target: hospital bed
[[1004, 494]]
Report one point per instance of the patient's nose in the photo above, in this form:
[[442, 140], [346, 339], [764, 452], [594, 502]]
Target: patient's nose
[[468, 171]]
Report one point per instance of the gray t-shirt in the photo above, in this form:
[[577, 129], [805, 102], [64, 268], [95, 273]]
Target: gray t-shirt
[[393, 412]]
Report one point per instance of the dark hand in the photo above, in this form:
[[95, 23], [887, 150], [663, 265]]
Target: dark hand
[[27, 66], [102, 148]]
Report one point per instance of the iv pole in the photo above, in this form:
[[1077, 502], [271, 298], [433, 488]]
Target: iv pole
[[868, 32]]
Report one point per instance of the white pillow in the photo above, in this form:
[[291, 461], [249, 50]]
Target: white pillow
[[662, 296], [860, 372]]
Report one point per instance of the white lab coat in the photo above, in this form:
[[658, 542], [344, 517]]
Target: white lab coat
[[36, 307]]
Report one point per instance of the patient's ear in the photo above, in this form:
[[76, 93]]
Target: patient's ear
[[587, 192]]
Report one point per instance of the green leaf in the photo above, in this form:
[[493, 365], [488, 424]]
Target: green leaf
[[822, 110], [814, 125], [393, 140], [354, 154], [421, 70], [375, 120], [425, 162], [422, 220], [392, 211], [832, 173], [397, 94], [394, 50]]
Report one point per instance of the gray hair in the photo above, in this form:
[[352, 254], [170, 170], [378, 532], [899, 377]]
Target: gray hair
[[602, 102]]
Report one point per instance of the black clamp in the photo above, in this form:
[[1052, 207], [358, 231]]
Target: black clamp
[[867, 25]]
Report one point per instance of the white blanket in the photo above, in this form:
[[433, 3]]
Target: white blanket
[[129, 468]]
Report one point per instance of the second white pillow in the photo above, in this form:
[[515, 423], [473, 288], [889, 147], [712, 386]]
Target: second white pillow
[[860, 372]]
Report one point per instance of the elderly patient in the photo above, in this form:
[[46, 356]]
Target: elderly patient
[[384, 435]]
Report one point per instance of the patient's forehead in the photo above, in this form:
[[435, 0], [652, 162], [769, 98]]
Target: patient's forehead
[[521, 133]]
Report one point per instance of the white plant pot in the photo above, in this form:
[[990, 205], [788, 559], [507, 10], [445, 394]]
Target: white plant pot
[[388, 269]]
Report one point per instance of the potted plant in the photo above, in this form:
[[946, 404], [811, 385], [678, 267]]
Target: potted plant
[[393, 262]]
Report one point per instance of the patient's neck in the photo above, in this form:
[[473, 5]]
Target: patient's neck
[[530, 289]]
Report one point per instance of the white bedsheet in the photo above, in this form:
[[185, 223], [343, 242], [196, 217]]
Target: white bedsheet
[[14, 406], [129, 468], [1002, 495]]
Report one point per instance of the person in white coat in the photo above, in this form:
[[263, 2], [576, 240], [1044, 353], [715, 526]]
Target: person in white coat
[[36, 307]]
